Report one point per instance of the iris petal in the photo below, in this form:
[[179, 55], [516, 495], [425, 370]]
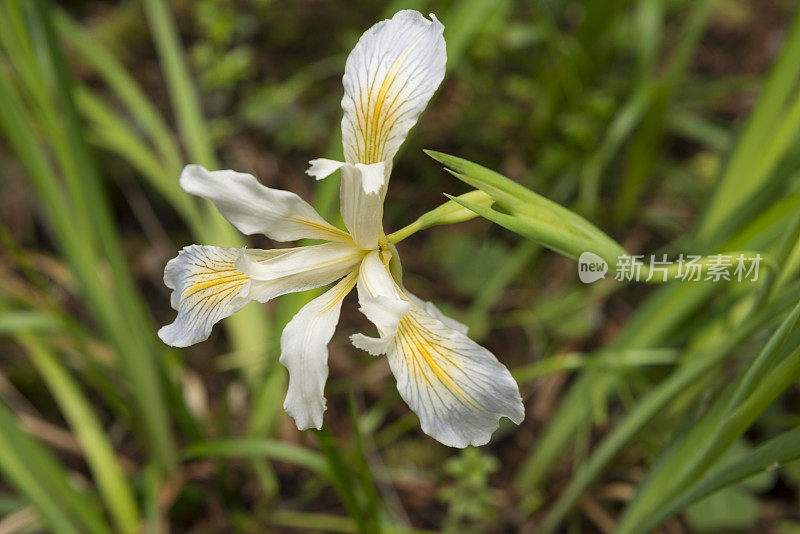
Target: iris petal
[[256, 209], [304, 352], [207, 287], [390, 76]]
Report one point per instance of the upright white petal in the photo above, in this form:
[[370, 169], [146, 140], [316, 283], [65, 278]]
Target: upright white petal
[[300, 269], [304, 352], [389, 78], [362, 212], [206, 288], [361, 191], [372, 176], [253, 208]]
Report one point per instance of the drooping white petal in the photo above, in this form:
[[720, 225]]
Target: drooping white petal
[[322, 168], [304, 353], [253, 208], [389, 78], [206, 288], [373, 176], [457, 388], [362, 212], [298, 270]]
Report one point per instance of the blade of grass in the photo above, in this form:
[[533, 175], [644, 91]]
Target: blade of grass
[[34, 493], [128, 91], [77, 247], [259, 448], [44, 482], [776, 452], [342, 480], [99, 453], [88, 192], [651, 324], [697, 364], [759, 149], [660, 315], [184, 98], [645, 97], [111, 132], [362, 468], [732, 427], [710, 438]]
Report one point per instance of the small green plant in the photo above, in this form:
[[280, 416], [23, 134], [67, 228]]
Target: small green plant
[[470, 503]]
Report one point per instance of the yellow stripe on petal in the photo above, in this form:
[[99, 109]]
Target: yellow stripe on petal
[[256, 209], [389, 78], [380, 120], [233, 279], [207, 287], [457, 388]]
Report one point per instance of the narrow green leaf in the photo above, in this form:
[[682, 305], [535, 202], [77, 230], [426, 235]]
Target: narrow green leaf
[[555, 237], [697, 364], [770, 131], [99, 453], [514, 196], [181, 87], [770, 373], [259, 448], [126, 88], [778, 451], [31, 468]]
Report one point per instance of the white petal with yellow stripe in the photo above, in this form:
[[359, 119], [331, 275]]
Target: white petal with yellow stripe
[[256, 209], [457, 388], [299, 269], [206, 288], [389, 78]]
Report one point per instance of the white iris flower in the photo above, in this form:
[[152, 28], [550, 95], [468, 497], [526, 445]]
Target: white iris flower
[[457, 388]]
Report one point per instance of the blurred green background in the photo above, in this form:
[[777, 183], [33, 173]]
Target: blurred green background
[[671, 124]]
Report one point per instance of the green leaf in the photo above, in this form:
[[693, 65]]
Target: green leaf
[[44, 482], [259, 448], [98, 451], [778, 451], [770, 132], [775, 368], [531, 214]]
